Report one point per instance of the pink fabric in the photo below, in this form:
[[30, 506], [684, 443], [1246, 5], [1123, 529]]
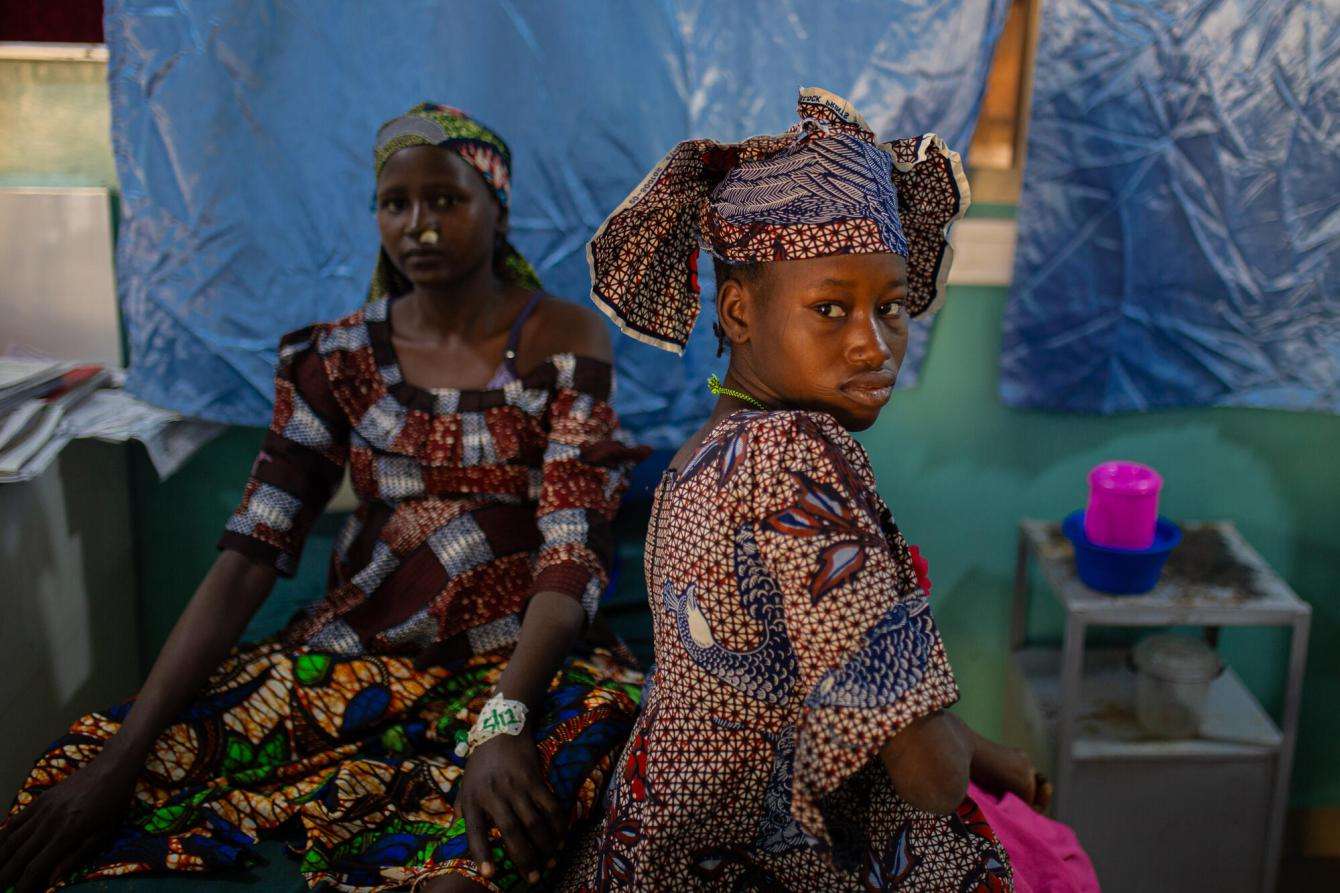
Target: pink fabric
[[1046, 855]]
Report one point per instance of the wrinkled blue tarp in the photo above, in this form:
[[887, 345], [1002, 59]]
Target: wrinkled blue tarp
[[243, 134], [1179, 232]]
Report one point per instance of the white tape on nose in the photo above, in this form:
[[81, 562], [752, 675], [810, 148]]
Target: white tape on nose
[[428, 237]]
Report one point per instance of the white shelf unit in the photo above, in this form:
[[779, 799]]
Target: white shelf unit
[[1199, 813]]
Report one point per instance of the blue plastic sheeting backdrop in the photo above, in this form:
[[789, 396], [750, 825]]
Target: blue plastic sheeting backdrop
[[1179, 231], [243, 135]]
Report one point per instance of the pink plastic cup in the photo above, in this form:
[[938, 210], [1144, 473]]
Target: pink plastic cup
[[1123, 505]]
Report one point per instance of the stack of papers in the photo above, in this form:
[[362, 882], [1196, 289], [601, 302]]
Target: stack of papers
[[35, 396], [114, 416], [24, 379], [44, 404]]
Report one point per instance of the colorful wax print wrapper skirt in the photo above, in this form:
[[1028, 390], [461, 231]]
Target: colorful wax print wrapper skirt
[[354, 756]]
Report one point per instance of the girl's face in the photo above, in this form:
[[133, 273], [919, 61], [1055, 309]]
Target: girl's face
[[425, 188], [827, 333]]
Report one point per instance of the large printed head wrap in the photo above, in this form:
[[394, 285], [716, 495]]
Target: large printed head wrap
[[822, 188], [431, 124]]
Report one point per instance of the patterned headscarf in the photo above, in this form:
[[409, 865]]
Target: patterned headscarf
[[430, 124], [822, 188]]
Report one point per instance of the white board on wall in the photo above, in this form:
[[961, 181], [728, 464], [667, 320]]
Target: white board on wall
[[57, 285], [983, 251]]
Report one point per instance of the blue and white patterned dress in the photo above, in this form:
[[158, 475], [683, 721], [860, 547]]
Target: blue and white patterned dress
[[792, 642]]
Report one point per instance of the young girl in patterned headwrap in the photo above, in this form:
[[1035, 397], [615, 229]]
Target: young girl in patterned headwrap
[[794, 735], [422, 724]]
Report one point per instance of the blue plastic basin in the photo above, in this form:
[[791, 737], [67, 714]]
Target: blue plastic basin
[[1120, 571]]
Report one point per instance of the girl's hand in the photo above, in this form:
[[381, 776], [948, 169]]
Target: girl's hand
[[929, 762], [1004, 769], [65, 825], [505, 787]]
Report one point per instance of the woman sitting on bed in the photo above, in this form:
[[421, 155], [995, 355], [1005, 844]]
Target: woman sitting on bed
[[423, 723]]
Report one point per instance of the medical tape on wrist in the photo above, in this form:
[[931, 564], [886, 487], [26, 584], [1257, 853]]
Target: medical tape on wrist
[[499, 716]]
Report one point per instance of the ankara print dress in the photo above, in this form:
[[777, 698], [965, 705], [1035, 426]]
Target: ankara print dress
[[469, 501], [792, 642]]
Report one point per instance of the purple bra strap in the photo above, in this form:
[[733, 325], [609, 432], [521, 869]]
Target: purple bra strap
[[514, 336]]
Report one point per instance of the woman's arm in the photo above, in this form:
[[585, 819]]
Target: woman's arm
[[209, 627], [301, 461], [67, 821], [929, 761], [504, 782], [552, 624]]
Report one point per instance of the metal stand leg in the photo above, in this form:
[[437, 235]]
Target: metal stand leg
[[1019, 618], [1279, 801], [1072, 678]]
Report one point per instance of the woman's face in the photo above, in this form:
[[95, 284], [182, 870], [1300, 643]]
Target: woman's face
[[827, 333], [425, 188]]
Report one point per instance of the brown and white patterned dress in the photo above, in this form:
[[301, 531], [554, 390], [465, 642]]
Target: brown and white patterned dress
[[469, 500], [469, 503], [792, 642]]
